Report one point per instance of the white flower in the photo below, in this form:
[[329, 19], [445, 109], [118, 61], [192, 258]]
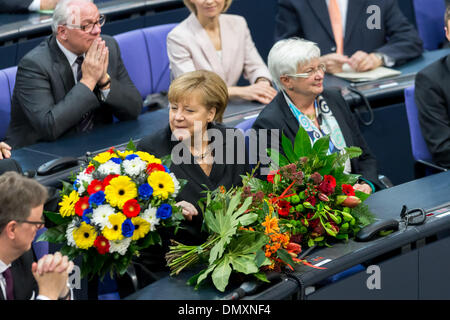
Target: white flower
[[134, 167], [109, 167], [100, 215], [69, 234], [149, 215], [119, 246], [176, 184], [81, 179]]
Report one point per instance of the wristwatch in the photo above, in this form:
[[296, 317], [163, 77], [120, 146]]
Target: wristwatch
[[106, 83], [385, 59]]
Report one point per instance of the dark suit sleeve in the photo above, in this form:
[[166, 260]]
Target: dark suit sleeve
[[287, 22], [402, 40], [14, 6], [433, 118], [34, 92], [124, 99]]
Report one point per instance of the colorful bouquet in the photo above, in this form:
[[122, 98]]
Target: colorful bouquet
[[311, 193], [114, 209]]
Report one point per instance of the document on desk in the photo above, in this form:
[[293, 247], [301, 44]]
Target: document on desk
[[378, 73]]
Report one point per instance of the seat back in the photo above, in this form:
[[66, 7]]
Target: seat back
[[156, 40], [430, 22], [5, 104], [11, 74], [133, 49], [40, 248], [418, 144], [246, 124]]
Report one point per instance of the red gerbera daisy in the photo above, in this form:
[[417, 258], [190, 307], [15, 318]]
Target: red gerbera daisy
[[284, 208], [95, 186], [102, 244], [108, 179], [330, 179], [131, 208], [348, 190], [81, 205], [89, 169], [155, 167]]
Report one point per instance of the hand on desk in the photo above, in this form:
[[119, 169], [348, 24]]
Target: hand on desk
[[362, 61], [5, 150], [334, 62], [188, 210], [363, 187]]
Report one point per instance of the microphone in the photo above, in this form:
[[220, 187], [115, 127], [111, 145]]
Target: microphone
[[250, 287]]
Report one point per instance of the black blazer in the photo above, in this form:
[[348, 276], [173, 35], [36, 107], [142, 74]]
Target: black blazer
[[309, 19], [47, 103], [13, 6], [277, 115], [432, 97], [25, 286]]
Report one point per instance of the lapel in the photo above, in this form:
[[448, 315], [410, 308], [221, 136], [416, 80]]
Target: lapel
[[333, 104], [61, 65], [355, 13], [290, 122], [1, 295], [320, 9], [229, 45], [205, 44]]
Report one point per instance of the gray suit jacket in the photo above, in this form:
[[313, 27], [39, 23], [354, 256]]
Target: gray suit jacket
[[47, 103]]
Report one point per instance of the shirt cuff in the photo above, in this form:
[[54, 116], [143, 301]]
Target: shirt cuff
[[104, 94], [42, 297], [35, 5]]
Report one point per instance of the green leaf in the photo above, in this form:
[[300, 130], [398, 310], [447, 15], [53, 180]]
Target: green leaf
[[261, 276], [277, 158], [361, 195], [247, 219], [211, 221], [244, 263], [248, 242], [302, 143], [234, 202], [321, 146], [151, 238], [353, 152], [287, 149], [130, 146], [285, 256], [57, 218], [204, 274], [53, 235], [221, 274]]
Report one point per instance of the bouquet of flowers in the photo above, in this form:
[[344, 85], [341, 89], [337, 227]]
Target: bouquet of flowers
[[242, 239], [114, 209], [311, 194]]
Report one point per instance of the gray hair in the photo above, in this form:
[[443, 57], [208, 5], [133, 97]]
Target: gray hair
[[286, 55], [63, 11]]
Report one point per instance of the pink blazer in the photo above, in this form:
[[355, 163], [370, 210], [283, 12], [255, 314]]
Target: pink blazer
[[189, 48]]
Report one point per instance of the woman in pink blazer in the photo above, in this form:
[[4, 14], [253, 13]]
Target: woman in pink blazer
[[211, 40]]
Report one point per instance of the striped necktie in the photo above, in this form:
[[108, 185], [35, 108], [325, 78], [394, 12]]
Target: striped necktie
[[7, 274]]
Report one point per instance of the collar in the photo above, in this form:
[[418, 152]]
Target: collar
[[71, 57], [3, 266], [294, 108]]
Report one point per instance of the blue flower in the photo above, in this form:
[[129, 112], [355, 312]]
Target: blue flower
[[116, 160], [131, 156], [75, 185], [145, 191], [127, 228], [85, 217], [167, 169], [164, 211], [97, 198]]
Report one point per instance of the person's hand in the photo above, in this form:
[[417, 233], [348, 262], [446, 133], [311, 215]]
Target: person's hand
[[261, 91], [105, 77], [361, 61], [5, 150], [48, 4], [93, 67], [51, 273], [188, 209], [363, 187], [334, 62]]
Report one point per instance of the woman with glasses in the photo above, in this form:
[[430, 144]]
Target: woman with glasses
[[211, 40], [302, 101]]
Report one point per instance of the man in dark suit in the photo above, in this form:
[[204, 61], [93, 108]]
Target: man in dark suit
[[73, 81], [13, 6], [364, 34], [432, 97], [22, 202]]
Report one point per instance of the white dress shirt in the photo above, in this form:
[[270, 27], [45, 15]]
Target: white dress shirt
[[35, 5]]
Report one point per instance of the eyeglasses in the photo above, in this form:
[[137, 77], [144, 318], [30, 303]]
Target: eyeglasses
[[320, 67], [90, 26], [38, 224]]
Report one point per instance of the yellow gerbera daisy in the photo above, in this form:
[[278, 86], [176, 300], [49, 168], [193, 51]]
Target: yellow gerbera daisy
[[84, 236], [141, 228], [147, 157], [115, 233], [67, 205], [103, 157], [162, 184], [124, 153], [120, 190]]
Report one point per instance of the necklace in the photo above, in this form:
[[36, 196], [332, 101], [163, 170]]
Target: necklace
[[203, 155], [311, 117]]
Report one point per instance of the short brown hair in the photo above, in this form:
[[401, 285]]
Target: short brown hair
[[211, 88], [18, 195], [192, 8], [447, 15]]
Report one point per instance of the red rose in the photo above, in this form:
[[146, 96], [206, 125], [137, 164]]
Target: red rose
[[271, 175], [102, 244], [155, 167], [348, 190], [330, 179], [95, 186], [131, 208], [326, 188], [284, 208], [81, 205], [107, 180]]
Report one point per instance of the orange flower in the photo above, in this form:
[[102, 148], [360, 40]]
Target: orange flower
[[271, 225], [222, 189]]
